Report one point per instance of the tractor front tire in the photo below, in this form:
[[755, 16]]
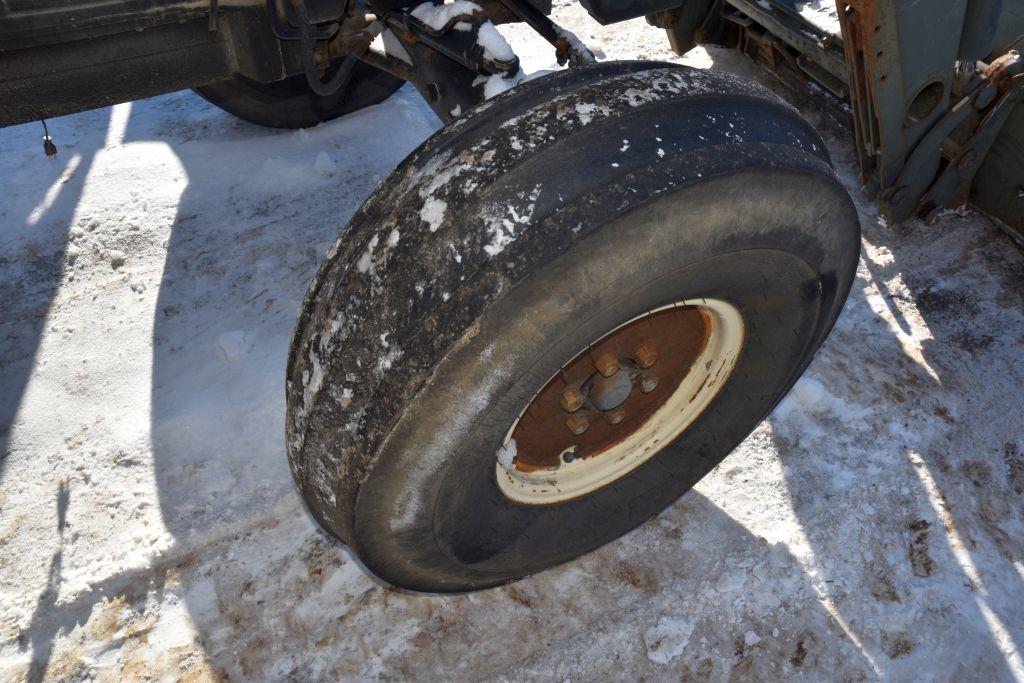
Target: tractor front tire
[[668, 245]]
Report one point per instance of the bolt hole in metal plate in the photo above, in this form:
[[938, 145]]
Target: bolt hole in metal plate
[[620, 401], [927, 99]]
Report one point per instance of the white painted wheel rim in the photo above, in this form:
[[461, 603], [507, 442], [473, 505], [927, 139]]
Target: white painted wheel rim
[[705, 379]]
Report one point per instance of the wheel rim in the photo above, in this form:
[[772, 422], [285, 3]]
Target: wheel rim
[[619, 401]]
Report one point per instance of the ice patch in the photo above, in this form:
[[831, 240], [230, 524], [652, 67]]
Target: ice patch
[[346, 397], [729, 581], [232, 345], [587, 54], [324, 164], [365, 263], [438, 16], [822, 13], [810, 397], [507, 453], [280, 175], [388, 359], [667, 639], [585, 111], [503, 228], [313, 379], [496, 84], [494, 44], [432, 212]]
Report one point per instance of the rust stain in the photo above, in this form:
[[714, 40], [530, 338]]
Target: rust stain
[[675, 337]]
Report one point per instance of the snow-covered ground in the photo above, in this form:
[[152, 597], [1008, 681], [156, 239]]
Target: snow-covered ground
[[150, 277]]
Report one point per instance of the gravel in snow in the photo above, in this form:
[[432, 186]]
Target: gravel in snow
[[870, 528]]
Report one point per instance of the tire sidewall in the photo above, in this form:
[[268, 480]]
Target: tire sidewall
[[430, 514]]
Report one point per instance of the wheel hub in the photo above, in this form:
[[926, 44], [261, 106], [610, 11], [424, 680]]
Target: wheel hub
[[619, 401], [608, 393]]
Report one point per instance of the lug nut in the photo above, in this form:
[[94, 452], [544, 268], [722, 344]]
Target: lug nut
[[615, 416], [572, 400], [645, 356], [607, 364], [577, 424], [648, 383]]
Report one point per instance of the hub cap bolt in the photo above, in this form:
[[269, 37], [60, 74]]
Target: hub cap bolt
[[577, 424], [614, 417], [648, 383], [607, 364], [645, 356], [572, 400]]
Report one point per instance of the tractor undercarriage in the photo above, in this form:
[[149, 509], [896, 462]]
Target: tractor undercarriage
[[934, 100], [934, 94]]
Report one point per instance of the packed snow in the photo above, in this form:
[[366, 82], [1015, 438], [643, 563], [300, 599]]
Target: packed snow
[[437, 17], [507, 454], [149, 529], [821, 13]]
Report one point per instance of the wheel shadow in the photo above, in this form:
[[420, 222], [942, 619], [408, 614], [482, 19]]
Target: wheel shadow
[[260, 210], [253, 224], [908, 422], [901, 451], [37, 215]]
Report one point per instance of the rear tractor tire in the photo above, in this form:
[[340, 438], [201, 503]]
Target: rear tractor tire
[[559, 314]]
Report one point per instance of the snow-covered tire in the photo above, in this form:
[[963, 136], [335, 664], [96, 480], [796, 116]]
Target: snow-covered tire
[[292, 104], [507, 243]]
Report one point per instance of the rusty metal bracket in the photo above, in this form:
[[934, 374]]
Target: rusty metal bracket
[[953, 186], [933, 125], [342, 74], [456, 40], [288, 29], [447, 65], [917, 189], [817, 54], [927, 114], [568, 48], [898, 201], [898, 89]]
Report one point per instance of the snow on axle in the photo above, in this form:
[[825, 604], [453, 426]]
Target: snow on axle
[[568, 305]]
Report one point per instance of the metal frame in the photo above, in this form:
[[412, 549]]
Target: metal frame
[[935, 98], [117, 51]]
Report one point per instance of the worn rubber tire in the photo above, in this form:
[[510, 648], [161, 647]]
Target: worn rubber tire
[[504, 245], [292, 104]]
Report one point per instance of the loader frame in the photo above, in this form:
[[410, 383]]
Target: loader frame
[[934, 95]]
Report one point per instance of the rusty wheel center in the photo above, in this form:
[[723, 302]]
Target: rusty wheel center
[[619, 401], [603, 394]]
